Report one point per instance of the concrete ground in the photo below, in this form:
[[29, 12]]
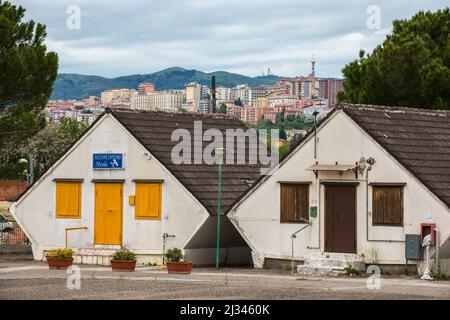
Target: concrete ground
[[33, 280]]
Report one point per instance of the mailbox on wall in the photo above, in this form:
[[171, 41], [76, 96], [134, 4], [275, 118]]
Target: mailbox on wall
[[426, 229]]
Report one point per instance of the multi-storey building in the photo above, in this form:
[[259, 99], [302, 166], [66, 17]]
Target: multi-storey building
[[304, 87], [279, 89], [204, 106], [242, 92], [261, 102], [146, 88], [170, 101], [195, 93], [92, 101], [259, 92], [223, 94], [234, 110], [252, 114], [109, 95], [329, 89], [287, 100], [85, 116]]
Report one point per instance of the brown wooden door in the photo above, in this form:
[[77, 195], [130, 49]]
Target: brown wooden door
[[340, 218]]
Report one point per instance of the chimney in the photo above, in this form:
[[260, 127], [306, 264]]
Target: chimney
[[213, 93]]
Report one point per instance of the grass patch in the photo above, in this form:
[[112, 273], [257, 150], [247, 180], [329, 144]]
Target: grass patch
[[349, 271], [439, 276]]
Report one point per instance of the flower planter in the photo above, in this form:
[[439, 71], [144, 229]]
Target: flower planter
[[184, 267], [55, 263], [123, 265]]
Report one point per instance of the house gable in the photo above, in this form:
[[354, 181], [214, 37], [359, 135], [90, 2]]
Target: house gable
[[35, 211], [257, 216]]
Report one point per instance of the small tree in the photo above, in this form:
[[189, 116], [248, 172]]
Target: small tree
[[52, 141], [223, 108]]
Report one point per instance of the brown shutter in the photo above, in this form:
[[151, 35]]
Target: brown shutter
[[294, 203], [387, 205]]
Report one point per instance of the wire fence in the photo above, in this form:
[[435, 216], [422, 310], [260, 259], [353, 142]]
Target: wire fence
[[12, 234]]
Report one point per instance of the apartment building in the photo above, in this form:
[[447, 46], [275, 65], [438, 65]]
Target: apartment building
[[170, 101], [259, 92], [261, 102], [146, 88], [329, 89], [195, 93], [223, 94], [108, 96], [304, 87], [286, 100], [242, 92]]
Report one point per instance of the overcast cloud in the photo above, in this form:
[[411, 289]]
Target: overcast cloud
[[120, 37]]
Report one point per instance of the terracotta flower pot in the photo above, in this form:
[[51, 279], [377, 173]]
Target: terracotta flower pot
[[184, 267], [123, 265], [55, 263]]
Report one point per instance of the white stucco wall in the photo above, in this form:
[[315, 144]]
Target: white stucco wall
[[257, 216], [182, 214]]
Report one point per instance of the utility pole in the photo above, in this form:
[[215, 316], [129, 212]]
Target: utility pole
[[30, 156], [219, 152]]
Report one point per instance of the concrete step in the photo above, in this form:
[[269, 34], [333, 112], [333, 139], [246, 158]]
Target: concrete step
[[319, 270], [101, 260], [329, 266], [336, 263], [7, 249], [94, 256]]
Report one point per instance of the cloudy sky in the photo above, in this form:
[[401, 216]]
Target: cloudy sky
[[118, 37]]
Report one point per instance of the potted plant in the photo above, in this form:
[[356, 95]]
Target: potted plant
[[123, 260], [175, 263], [59, 258]]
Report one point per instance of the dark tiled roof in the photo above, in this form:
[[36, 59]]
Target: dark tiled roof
[[419, 139], [154, 129]]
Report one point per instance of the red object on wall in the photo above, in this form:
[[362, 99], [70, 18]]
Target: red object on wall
[[426, 229]]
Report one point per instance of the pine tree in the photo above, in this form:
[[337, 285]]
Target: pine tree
[[411, 68], [27, 73]]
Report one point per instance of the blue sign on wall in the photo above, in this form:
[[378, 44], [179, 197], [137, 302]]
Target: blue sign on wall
[[107, 161]]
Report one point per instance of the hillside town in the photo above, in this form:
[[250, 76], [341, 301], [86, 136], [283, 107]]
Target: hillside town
[[126, 172], [300, 96]]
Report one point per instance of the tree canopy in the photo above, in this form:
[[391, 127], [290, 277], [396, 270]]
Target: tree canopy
[[27, 73], [27, 70], [411, 68]]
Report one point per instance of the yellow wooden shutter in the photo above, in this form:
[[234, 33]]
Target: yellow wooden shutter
[[148, 201], [68, 200]]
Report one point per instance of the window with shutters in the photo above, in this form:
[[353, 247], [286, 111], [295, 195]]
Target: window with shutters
[[68, 200], [294, 203], [387, 206], [148, 201]]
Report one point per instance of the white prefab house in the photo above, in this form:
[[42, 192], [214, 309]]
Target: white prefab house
[[117, 187], [366, 186]]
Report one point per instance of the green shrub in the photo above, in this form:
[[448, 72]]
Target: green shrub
[[174, 255], [60, 254], [349, 271], [124, 255], [439, 276]]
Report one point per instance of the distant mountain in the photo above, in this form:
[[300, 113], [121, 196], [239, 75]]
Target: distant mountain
[[78, 86]]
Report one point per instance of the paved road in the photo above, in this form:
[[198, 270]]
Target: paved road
[[33, 280]]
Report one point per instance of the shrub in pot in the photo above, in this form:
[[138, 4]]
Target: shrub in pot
[[59, 258], [176, 263], [123, 260]]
